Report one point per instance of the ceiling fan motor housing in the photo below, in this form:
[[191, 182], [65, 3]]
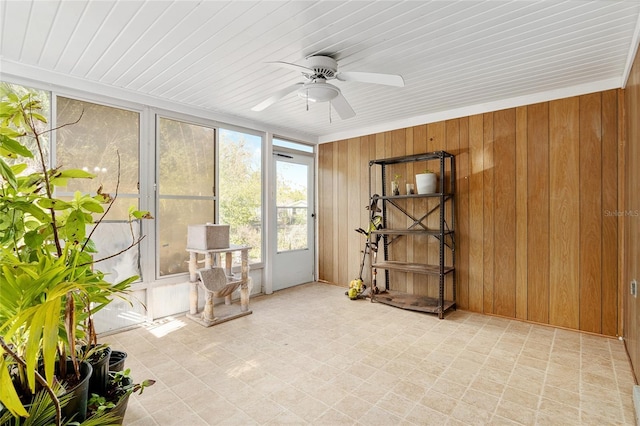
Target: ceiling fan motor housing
[[323, 66]]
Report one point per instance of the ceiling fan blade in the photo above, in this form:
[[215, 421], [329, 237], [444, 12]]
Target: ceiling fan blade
[[370, 77], [342, 107], [292, 66], [276, 97]]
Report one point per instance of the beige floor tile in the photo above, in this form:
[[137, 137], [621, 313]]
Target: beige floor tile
[[377, 416], [297, 360], [439, 402], [516, 413]]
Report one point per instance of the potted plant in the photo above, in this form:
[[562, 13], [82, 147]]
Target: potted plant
[[116, 360], [395, 185], [50, 286], [426, 182], [114, 401]]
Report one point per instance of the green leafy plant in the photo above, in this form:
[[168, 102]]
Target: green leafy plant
[[99, 403], [50, 287], [119, 387]]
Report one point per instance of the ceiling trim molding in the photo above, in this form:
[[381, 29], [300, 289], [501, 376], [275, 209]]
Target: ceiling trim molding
[[567, 92], [48, 80], [633, 49]]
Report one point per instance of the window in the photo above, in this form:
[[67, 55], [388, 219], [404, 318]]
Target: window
[[240, 191], [292, 145], [104, 141], [186, 181]]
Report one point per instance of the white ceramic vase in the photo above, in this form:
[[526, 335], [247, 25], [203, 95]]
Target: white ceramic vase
[[426, 183]]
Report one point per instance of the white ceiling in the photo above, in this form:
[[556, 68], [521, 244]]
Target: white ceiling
[[456, 57]]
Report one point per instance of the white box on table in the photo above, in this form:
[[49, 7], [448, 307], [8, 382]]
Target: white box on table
[[207, 236]]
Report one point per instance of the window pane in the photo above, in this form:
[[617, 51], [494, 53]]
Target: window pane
[[186, 159], [187, 171], [174, 217], [292, 145], [240, 202], [291, 202], [104, 141], [94, 143]]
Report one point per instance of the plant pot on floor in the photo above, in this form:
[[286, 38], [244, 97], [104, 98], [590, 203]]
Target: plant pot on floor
[[99, 361], [121, 407], [426, 183], [116, 362], [77, 406]]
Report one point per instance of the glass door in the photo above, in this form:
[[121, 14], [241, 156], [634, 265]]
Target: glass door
[[293, 248]]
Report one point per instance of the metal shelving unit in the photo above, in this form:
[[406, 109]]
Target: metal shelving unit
[[444, 233]]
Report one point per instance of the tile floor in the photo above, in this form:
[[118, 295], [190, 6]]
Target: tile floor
[[309, 355]]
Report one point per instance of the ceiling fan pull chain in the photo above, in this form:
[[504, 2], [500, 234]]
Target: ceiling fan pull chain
[[330, 121], [307, 98]]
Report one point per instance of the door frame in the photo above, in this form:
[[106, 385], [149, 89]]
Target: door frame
[[271, 215]]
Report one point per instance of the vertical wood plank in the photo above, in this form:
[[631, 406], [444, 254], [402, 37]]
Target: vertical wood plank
[[564, 227], [410, 205], [343, 212], [367, 152], [609, 220], [538, 216], [354, 158], [336, 229], [380, 153], [590, 212], [452, 139], [325, 209], [398, 248], [488, 210], [521, 212], [435, 142], [476, 215], [420, 250], [463, 159], [505, 212]]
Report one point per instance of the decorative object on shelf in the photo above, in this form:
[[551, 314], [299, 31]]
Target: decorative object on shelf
[[434, 219], [395, 185], [427, 182], [410, 189]]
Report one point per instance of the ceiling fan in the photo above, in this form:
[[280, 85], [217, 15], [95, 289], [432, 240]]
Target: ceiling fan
[[317, 71]]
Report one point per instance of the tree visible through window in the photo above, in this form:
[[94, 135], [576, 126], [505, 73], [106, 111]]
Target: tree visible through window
[[185, 187], [240, 189]]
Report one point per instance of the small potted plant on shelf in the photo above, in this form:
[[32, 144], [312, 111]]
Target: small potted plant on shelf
[[395, 185], [426, 182], [50, 285]]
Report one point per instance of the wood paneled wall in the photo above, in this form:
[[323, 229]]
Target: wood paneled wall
[[631, 217], [537, 192]]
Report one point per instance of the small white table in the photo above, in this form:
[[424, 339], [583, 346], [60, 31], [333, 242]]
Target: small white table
[[227, 311]]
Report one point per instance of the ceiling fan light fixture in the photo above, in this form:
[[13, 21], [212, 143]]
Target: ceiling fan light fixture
[[318, 92]]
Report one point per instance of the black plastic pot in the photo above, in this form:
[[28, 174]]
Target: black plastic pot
[[121, 407], [98, 382], [77, 406], [116, 362]]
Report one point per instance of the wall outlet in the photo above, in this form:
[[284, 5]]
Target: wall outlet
[[634, 288]]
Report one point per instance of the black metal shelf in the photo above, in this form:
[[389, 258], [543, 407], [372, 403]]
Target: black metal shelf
[[444, 233]]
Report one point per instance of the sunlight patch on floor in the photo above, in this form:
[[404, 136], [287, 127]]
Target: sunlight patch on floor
[[164, 326]]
